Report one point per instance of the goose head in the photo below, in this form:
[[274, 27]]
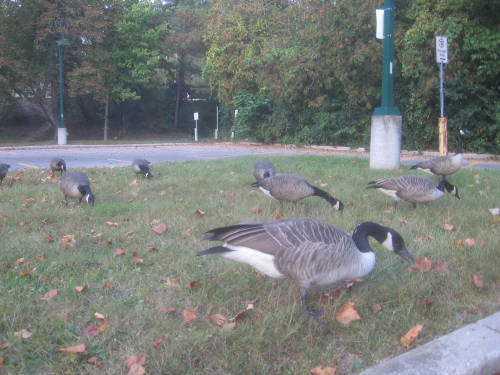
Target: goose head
[[451, 189], [90, 198], [464, 131], [388, 237]]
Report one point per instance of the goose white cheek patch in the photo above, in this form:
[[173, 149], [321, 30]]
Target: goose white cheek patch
[[388, 242]]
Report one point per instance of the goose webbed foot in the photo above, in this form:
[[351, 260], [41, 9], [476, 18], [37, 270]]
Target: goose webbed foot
[[313, 313]]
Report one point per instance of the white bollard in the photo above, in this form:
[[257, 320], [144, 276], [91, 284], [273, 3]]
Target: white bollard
[[216, 134], [61, 136], [385, 142], [196, 134]]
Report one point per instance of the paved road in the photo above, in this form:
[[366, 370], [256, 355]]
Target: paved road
[[79, 156]]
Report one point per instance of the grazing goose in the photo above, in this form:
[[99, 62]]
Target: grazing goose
[[57, 165], [444, 165], [4, 168], [263, 169], [141, 166], [308, 251], [413, 189], [76, 185], [291, 188]]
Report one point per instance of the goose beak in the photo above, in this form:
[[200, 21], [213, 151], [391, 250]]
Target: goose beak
[[405, 255]]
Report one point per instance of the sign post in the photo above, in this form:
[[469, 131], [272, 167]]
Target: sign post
[[196, 126], [216, 135], [61, 131], [442, 58]]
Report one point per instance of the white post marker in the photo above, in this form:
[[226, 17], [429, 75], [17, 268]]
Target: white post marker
[[196, 126], [235, 115], [379, 34], [216, 135]]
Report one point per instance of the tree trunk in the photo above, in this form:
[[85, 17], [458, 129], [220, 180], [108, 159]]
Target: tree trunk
[[106, 115], [180, 90]]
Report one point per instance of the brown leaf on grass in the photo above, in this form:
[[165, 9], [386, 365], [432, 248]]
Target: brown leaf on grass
[[108, 285], [229, 193], [163, 192], [157, 343], [4, 345], [376, 308], [28, 202], [24, 334], [129, 233], [17, 262], [459, 244], [256, 210], [332, 294], [470, 242], [199, 212], [160, 228], [447, 218], [218, 319], [448, 227], [137, 260], [49, 238], [478, 282], [50, 294], [1, 361], [428, 302], [111, 224], [95, 361], [411, 336], [25, 273], [193, 284], [442, 268], [133, 183], [347, 314], [320, 370], [105, 243], [155, 221], [189, 315], [172, 283], [94, 330], [118, 252], [81, 288], [152, 248], [278, 216], [79, 348], [40, 257], [187, 232], [97, 235], [244, 313], [422, 264], [166, 310], [68, 241]]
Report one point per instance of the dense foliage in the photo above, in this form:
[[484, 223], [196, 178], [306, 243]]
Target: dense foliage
[[304, 71]]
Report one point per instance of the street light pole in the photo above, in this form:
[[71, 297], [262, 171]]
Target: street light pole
[[61, 131]]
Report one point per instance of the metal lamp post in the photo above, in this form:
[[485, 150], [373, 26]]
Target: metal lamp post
[[61, 131], [385, 140]]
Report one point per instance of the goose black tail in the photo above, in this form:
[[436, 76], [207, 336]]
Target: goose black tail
[[333, 201], [214, 250], [414, 166], [371, 185], [255, 184]]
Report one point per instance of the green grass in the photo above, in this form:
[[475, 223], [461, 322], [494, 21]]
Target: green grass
[[274, 337]]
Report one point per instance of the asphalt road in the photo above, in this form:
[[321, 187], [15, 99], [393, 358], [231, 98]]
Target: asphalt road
[[79, 156]]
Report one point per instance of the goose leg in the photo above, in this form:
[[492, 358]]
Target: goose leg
[[414, 205], [315, 314], [395, 205], [66, 199]]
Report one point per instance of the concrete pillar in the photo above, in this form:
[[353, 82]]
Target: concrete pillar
[[385, 142]]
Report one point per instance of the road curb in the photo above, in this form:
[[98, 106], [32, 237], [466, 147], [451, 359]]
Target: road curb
[[470, 350]]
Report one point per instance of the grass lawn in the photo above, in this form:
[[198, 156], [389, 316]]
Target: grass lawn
[[136, 292]]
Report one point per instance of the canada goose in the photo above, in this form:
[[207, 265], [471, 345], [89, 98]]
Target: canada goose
[[413, 189], [57, 164], [76, 185], [263, 169], [141, 166], [291, 188], [444, 165], [308, 251], [4, 168]]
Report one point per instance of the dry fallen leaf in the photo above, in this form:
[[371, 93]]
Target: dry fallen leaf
[[152, 248], [442, 268], [118, 252], [422, 264], [172, 283], [50, 294], [189, 315], [80, 348], [68, 241], [320, 370], [105, 243], [137, 260], [347, 314], [81, 288], [111, 224], [256, 210], [4, 345], [200, 213], [24, 333], [278, 216], [49, 238], [478, 282], [40, 257], [25, 273], [192, 284], [160, 228], [448, 227], [218, 319], [411, 336], [376, 308], [470, 242], [167, 310]]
